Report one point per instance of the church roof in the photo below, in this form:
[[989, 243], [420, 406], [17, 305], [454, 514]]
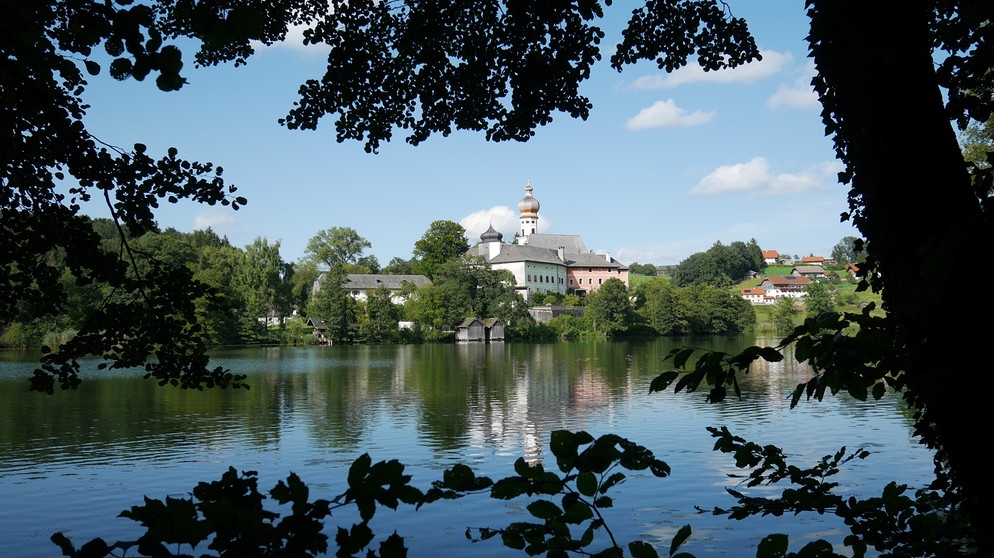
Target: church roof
[[528, 204], [491, 235], [510, 253], [572, 243]]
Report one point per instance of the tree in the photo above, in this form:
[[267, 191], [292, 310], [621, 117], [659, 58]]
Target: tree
[[847, 250], [379, 323], [720, 265], [977, 142], [783, 314], [818, 298], [398, 266], [443, 241], [266, 285], [609, 309], [658, 304], [334, 304], [336, 248], [862, 53], [642, 269]]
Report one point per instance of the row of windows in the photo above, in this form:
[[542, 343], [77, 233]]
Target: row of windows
[[548, 279], [545, 279]]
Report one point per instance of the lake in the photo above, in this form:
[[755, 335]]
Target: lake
[[72, 461]]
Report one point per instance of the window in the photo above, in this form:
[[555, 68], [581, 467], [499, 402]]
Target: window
[[600, 281], [571, 282]]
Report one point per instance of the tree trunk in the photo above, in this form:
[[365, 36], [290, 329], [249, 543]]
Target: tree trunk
[[912, 199]]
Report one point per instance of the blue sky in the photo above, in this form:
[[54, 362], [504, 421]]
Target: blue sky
[[666, 165]]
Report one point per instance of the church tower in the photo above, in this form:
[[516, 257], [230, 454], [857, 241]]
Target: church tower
[[528, 206]]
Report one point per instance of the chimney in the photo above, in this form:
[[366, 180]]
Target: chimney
[[562, 253], [607, 257]]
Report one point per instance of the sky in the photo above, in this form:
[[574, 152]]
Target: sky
[[665, 166]]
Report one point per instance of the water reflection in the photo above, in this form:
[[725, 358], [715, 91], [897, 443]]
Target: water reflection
[[313, 410]]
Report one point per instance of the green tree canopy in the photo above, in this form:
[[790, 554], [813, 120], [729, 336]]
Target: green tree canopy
[[720, 265], [443, 241], [336, 248], [847, 250], [335, 306], [609, 309], [818, 297], [642, 269]]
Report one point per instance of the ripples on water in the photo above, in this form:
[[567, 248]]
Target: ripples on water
[[72, 461]]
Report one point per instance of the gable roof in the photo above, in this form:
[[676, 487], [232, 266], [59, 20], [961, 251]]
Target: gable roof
[[510, 253], [753, 291], [371, 281], [770, 254], [787, 280], [468, 322], [590, 259], [810, 269]]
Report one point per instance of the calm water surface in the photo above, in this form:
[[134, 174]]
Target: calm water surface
[[71, 462]]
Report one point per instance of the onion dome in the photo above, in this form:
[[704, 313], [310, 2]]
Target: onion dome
[[528, 205], [490, 235]]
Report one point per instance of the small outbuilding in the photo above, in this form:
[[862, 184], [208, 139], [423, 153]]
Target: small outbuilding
[[475, 329], [493, 329], [320, 330], [471, 329]]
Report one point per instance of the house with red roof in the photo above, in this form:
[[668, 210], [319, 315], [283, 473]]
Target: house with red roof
[[780, 286]]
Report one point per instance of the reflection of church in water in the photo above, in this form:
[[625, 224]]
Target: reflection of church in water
[[541, 392], [547, 263]]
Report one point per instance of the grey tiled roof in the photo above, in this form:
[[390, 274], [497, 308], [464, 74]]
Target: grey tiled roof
[[519, 253], [373, 281], [805, 269], [571, 242], [369, 281], [592, 260]]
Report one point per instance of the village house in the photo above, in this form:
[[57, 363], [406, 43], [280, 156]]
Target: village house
[[780, 286], [362, 285], [756, 296], [813, 260], [813, 272], [771, 257], [546, 263]]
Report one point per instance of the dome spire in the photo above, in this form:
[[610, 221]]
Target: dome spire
[[491, 235], [528, 206]]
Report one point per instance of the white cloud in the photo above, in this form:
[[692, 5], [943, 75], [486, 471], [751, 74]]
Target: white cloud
[[773, 62], [503, 219], [756, 177], [294, 41], [216, 220], [666, 113], [799, 95]]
